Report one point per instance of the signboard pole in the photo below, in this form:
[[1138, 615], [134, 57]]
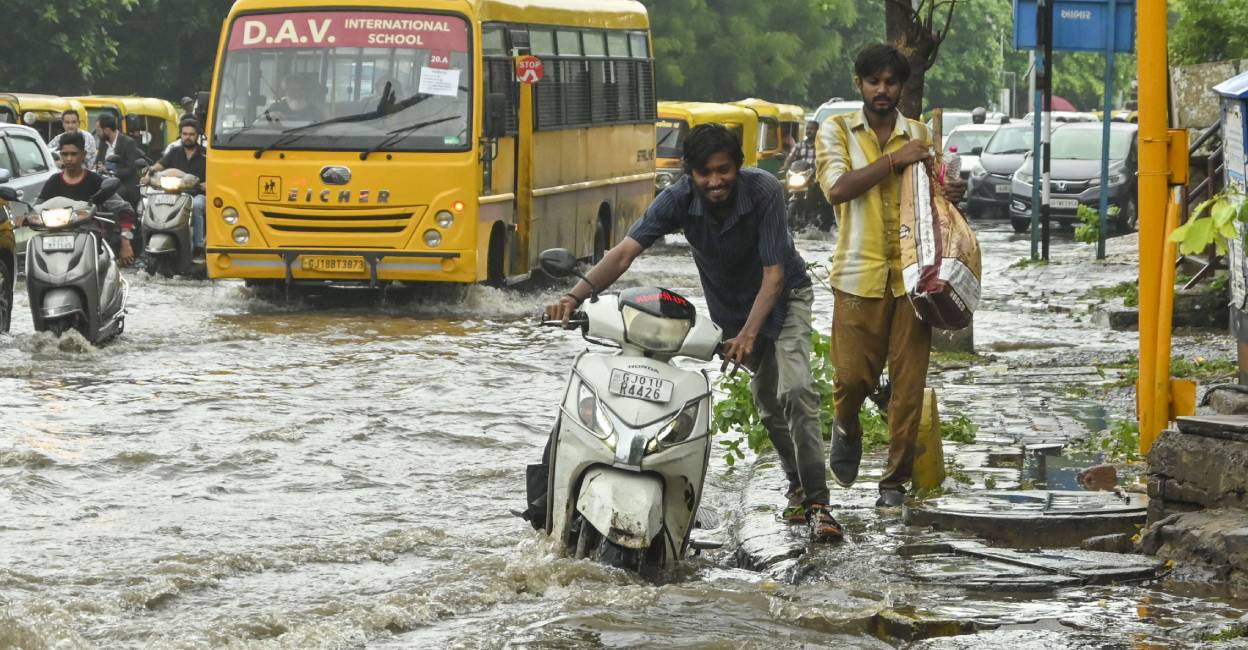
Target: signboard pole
[[1037, 96], [1105, 121], [1048, 125]]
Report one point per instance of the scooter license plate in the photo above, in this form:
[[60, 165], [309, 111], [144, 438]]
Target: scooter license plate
[[651, 389], [58, 242]]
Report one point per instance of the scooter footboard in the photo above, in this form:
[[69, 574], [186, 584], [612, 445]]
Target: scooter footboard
[[626, 507]]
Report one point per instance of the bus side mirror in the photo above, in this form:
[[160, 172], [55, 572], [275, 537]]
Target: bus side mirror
[[495, 115]]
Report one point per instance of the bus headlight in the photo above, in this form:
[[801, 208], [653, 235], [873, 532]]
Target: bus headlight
[[433, 238], [230, 216], [241, 235], [445, 219]]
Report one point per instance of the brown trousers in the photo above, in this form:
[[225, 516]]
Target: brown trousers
[[865, 333]]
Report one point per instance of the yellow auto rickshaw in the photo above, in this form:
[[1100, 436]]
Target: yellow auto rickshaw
[[676, 119], [152, 122], [40, 112], [770, 143], [792, 127]]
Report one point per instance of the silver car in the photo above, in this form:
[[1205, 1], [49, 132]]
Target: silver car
[[29, 164]]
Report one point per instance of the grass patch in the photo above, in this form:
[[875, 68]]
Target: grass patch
[[958, 428], [1027, 262], [1129, 292], [1120, 442], [1229, 634], [948, 359], [1201, 369]]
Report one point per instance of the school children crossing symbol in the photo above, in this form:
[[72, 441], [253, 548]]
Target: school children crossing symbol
[[529, 69]]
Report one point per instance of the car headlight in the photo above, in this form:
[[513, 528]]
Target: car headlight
[[1118, 179], [654, 333], [678, 430], [978, 172], [593, 415], [1022, 177], [445, 219], [663, 180]]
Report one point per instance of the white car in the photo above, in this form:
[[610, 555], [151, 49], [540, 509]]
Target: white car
[[968, 141], [835, 107]]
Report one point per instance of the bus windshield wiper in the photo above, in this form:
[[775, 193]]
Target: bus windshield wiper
[[399, 134], [292, 134]]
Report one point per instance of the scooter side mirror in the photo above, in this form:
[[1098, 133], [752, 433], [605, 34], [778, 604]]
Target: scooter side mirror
[[557, 262], [107, 189]]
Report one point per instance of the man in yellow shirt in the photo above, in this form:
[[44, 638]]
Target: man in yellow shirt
[[859, 159]]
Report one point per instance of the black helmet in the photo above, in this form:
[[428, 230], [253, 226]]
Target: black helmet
[[979, 115]]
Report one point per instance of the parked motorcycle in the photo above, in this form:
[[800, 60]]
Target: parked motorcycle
[[803, 209], [632, 437], [73, 278], [167, 207]]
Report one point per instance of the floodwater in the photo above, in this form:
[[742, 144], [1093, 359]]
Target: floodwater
[[237, 474]]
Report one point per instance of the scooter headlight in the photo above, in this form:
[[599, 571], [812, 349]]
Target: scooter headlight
[[796, 181], [593, 415], [678, 430], [170, 183], [56, 217]]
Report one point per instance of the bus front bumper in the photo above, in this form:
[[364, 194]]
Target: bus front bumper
[[338, 265]]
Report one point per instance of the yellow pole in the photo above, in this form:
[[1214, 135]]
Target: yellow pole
[[522, 261], [1152, 395]]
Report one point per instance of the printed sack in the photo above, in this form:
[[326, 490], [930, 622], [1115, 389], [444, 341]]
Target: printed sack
[[939, 254]]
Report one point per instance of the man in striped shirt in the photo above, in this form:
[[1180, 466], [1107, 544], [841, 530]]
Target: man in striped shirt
[[860, 157]]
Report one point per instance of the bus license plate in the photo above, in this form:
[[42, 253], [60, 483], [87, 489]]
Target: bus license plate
[[333, 264], [651, 389], [58, 243], [1064, 204]]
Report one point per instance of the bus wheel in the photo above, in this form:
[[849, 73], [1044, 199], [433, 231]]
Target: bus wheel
[[495, 269]]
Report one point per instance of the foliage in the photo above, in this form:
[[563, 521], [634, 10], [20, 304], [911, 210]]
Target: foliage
[[958, 428], [1212, 223], [1026, 262], [1201, 369], [59, 46], [724, 50], [1208, 30], [1129, 291], [1089, 229], [1229, 634], [1120, 442]]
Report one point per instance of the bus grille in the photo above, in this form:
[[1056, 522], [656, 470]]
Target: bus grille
[[317, 223]]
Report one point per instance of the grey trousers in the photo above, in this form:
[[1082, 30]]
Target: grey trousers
[[788, 402]]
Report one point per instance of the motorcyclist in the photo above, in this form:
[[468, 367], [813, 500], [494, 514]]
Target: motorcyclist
[[979, 115], [81, 184], [70, 122], [805, 152], [189, 158]]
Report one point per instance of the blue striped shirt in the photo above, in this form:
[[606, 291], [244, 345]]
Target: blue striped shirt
[[730, 254]]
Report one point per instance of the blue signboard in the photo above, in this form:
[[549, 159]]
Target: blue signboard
[[1078, 25]]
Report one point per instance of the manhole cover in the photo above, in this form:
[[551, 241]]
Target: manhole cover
[[974, 565], [1033, 518]]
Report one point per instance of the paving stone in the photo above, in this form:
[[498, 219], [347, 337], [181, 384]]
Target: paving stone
[[1210, 539]]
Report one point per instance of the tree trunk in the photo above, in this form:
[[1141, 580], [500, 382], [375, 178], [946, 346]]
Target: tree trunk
[[917, 44]]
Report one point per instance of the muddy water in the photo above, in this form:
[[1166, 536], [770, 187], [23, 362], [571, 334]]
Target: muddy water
[[235, 474]]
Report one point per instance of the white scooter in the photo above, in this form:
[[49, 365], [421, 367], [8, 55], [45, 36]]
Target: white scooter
[[167, 207], [632, 439]]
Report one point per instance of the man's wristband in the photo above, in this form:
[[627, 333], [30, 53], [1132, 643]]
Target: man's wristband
[[578, 300]]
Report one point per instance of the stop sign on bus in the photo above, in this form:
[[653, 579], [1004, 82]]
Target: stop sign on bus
[[529, 69]]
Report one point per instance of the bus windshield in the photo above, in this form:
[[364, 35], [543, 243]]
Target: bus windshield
[[345, 81]]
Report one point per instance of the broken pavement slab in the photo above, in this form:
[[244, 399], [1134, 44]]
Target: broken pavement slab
[[1054, 567], [1032, 518], [1199, 542]]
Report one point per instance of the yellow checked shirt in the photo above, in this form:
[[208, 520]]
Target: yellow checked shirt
[[868, 249]]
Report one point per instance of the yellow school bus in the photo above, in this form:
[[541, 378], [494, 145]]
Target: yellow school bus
[[676, 119], [387, 141]]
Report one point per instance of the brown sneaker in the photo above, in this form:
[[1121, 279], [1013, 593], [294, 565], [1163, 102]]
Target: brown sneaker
[[823, 527], [794, 512]]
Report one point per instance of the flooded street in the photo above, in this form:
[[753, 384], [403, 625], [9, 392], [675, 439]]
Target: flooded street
[[233, 473]]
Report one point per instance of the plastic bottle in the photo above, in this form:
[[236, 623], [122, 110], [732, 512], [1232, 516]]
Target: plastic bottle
[[951, 167]]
